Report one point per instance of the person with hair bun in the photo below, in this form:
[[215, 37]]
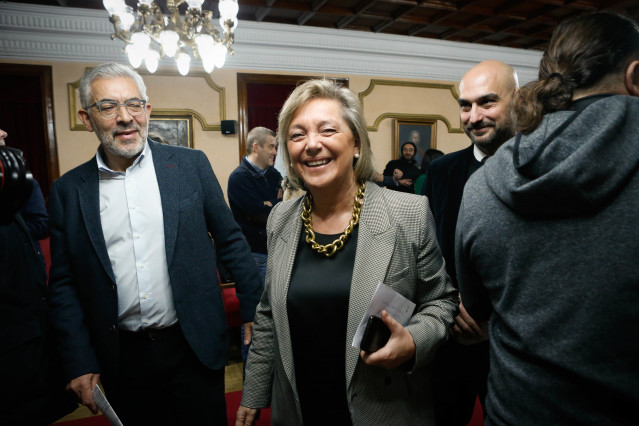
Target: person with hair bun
[[546, 240]]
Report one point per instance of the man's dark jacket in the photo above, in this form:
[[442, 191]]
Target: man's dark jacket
[[459, 371], [409, 169], [247, 191], [32, 389], [83, 290], [444, 186]]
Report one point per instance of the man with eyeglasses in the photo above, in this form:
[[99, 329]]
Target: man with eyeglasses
[[134, 294]]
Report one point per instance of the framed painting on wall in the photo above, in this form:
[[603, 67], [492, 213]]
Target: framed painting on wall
[[422, 133], [174, 129]]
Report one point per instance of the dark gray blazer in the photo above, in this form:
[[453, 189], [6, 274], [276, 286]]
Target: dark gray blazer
[[83, 291], [444, 186], [396, 245]]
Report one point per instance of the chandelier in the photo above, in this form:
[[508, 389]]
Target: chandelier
[[149, 35]]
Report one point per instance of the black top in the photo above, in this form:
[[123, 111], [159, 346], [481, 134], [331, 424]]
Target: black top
[[409, 169], [317, 306]]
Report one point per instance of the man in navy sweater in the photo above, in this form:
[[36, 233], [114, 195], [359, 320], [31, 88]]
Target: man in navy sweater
[[253, 190]]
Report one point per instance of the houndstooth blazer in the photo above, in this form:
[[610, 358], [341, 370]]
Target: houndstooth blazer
[[396, 245]]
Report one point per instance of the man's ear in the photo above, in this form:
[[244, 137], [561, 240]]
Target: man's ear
[[83, 115], [631, 78]]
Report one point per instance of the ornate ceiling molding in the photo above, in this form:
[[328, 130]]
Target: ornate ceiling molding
[[49, 34]]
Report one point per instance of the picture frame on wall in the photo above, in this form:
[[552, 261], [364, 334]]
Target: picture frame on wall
[[174, 129], [423, 133]]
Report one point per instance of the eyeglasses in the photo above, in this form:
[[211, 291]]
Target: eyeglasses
[[109, 109]]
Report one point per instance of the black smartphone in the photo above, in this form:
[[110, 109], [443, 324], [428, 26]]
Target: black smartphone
[[376, 334]]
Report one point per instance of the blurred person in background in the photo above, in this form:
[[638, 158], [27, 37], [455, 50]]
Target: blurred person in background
[[253, 189], [34, 212], [32, 388], [401, 174], [430, 155]]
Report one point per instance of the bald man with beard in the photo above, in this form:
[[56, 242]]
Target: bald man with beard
[[460, 367]]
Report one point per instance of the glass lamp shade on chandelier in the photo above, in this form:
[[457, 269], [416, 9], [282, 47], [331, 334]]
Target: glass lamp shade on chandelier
[[149, 35]]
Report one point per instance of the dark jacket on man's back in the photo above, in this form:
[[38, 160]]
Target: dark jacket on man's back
[[409, 169], [32, 389]]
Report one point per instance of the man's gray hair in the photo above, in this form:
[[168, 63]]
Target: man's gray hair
[[258, 135], [109, 70]]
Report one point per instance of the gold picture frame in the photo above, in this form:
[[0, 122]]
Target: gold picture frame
[[73, 92], [175, 129]]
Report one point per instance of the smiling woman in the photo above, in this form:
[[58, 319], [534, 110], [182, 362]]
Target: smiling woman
[[358, 235], [321, 148], [349, 112]]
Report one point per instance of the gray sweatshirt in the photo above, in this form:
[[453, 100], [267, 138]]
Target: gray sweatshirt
[[547, 247]]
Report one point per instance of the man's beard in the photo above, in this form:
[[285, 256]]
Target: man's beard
[[129, 149], [501, 133]]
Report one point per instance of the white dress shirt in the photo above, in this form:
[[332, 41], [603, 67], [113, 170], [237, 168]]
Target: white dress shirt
[[478, 153], [133, 227]]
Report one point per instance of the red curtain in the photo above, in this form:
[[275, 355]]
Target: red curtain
[[264, 103]]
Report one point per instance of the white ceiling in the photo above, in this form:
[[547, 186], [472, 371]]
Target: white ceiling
[[50, 34]]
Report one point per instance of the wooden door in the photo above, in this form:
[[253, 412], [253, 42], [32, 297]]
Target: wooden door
[[26, 114]]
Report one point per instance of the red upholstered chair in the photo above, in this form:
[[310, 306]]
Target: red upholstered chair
[[232, 307], [231, 304], [46, 252]]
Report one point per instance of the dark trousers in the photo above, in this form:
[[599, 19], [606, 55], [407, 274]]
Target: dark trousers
[[460, 375], [161, 382]]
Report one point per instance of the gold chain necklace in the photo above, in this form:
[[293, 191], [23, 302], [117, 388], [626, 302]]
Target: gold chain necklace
[[330, 249]]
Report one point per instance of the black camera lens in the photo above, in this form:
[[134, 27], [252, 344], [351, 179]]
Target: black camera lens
[[16, 183]]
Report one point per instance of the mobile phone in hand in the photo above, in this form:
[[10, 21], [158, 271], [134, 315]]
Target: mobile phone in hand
[[376, 335]]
